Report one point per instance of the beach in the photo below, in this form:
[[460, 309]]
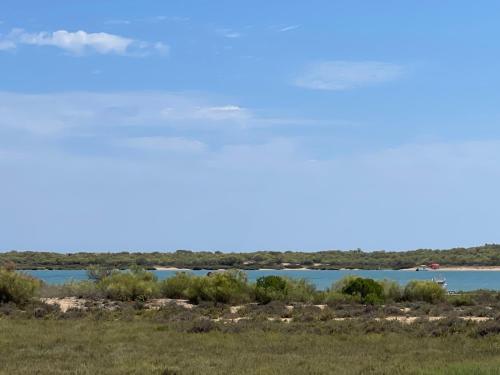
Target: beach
[[458, 268]]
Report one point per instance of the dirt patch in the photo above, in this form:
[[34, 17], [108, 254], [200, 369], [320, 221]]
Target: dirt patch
[[66, 303], [235, 309]]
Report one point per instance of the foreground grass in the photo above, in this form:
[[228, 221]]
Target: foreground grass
[[142, 347]]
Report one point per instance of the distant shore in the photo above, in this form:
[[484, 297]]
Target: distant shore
[[180, 269], [444, 269], [158, 268], [459, 268]]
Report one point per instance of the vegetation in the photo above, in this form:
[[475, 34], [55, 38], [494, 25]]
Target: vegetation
[[17, 287], [226, 287], [367, 290], [276, 288], [133, 285], [487, 255], [421, 290], [146, 347], [348, 339]]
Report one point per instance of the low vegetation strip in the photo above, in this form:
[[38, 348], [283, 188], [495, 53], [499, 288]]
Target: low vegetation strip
[[145, 347], [480, 256], [226, 287]]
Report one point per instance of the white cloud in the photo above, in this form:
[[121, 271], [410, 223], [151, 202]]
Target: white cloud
[[344, 75], [81, 42], [288, 28]]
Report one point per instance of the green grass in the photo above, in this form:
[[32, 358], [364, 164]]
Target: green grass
[[86, 346]]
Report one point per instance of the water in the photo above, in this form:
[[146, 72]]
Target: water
[[457, 280]]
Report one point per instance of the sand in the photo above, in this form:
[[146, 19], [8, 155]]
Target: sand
[[66, 303], [459, 268], [159, 268]]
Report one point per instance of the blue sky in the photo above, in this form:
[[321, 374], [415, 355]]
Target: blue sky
[[250, 125]]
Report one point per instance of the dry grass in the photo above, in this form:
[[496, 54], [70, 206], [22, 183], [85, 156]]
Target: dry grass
[[85, 346]]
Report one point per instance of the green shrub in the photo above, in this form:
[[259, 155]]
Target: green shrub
[[133, 285], [17, 287], [177, 286], [334, 298], [338, 285], [368, 290], [271, 288], [460, 300], [277, 288], [392, 290], [225, 287], [423, 290], [302, 290]]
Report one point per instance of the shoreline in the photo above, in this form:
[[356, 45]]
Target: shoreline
[[457, 268], [411, 269]]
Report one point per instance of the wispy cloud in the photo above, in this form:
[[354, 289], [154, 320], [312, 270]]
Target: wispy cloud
[[228, 33], [118, 22], [161, 18], [163, 144], [288, 28], [345, 75], [6, 45], [228, 112], [82, 42], [74, 113], [65, 113]]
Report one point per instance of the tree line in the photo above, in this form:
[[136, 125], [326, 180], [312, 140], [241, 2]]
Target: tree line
[[486, 255]]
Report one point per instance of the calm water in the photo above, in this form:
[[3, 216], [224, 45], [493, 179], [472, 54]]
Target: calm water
[[457, 280]]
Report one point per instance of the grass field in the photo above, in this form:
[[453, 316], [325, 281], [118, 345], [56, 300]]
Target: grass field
[[144, 347]]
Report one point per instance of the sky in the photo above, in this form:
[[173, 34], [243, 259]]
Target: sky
[[249, 125]]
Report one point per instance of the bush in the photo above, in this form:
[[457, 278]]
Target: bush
[[271, 288], [422, 290], [334, 298], [340, 284], [277, 288], [224, 287], [302, 290], [368, 290], [392, 290], [460, 300], [17, 287], [176, 286], [133, 285]]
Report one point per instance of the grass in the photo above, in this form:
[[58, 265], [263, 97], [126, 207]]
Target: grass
[[86, 346]]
